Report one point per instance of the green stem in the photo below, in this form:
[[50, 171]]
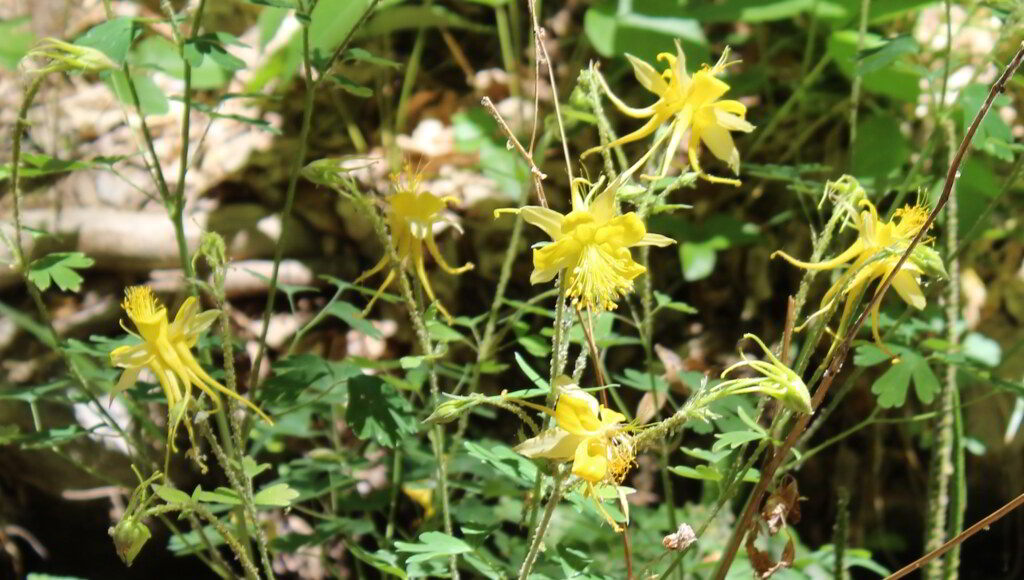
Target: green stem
[[412, 70], [508, 56], [538, 533], [865, 8], [289, 202]]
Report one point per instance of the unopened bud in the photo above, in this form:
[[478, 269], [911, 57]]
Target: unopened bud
[[65, 57], [130, 535]]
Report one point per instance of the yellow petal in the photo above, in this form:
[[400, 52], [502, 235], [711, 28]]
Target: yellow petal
[[850, 253], [719, 142], [576, 412], [603, 206], [552, 443], [610, 417], [591, 461], [655, 240], [647, 76], [546, 219], [909, 290], [131, 356], [730, 121]]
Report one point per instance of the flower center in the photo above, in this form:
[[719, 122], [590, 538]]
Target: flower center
[[139, 303]]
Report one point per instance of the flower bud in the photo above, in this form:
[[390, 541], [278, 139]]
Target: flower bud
[[928, 259], [129, 536], [65, 57]]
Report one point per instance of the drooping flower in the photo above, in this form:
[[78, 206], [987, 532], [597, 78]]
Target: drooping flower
[[412, 215], [875, 254], [686, 102], [166, 350], [777, 380], [590, 435], [591, 245]]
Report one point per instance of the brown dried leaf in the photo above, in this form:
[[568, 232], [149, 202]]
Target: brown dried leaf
[[782, 507], [681, 539], [763, 563]]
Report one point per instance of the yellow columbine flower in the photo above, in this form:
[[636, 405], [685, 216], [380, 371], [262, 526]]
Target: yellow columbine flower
[[166, 351], [589, 434], [591, 244], [875, 254], [411, 217], [688, 103]]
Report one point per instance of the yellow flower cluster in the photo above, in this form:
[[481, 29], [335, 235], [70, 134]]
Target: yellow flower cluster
[[875, 253], [591, 246], [687, 102], [166, 350], [411, 216]]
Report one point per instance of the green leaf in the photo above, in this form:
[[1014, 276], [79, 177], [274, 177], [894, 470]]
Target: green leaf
[[60, 269], [983, 349], [433, 545], [350, 86], [993, 135], [614, 32], [18, 40], [171, 495], [38, 164], [734, 439], [354, 318], [507, 462], [898, 80], [877, 58], [868, 355], [152, 100], [664, 301], [278, 495], [113, 38], [377, 411], [698, 260], [363, 55], [331, 22], [212, 45], [380, 560], [880, 148], [892, 386], [531, 374], [221, 495], [415, 17], [703, 472]]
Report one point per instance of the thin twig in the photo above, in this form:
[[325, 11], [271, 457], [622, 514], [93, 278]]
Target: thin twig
[[836, 365], [535, 172]]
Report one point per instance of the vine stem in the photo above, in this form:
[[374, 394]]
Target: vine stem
[[836, 364]]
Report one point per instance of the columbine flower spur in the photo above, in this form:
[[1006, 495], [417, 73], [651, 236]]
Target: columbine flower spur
[[590, 435], [166, 350], [591, 245], [875, 254], [687, 102], [412, 215]]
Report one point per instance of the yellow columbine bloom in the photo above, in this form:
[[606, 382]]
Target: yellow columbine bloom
[[411, 217], [589, 434], [687, 102], [166, 351], [875, 254], [591, 244]]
